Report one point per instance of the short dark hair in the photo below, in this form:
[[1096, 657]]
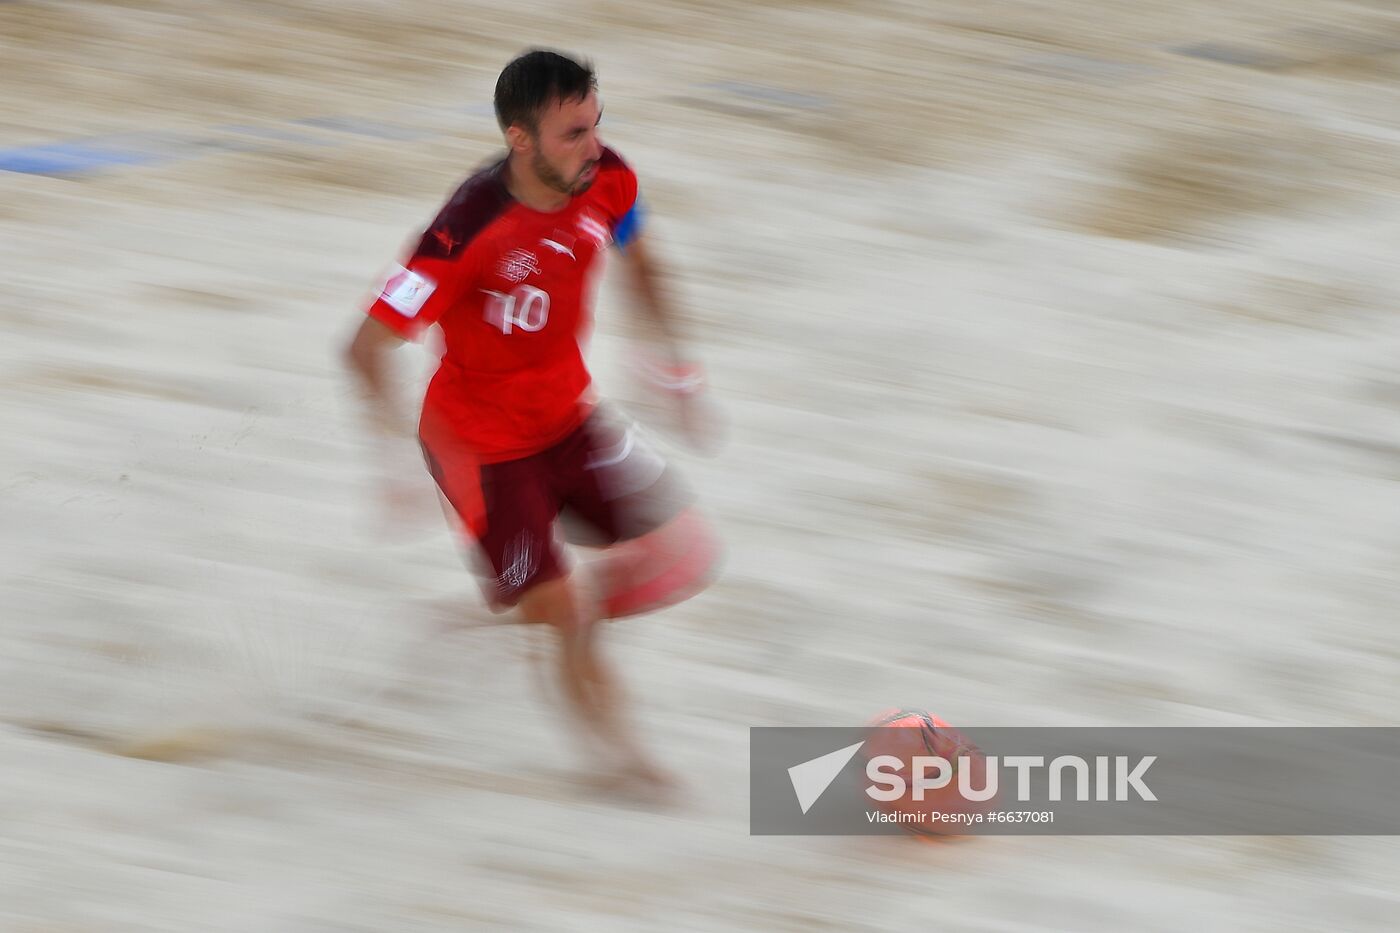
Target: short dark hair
[[535, 79]]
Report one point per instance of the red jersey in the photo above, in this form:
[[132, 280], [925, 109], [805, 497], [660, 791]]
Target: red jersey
[[511, 288]]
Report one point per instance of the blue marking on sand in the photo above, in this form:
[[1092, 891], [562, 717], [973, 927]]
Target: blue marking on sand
[[73, 158], [93, 153], [1227, 54]]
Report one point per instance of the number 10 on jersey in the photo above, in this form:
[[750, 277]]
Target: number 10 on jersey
[[526, 308]]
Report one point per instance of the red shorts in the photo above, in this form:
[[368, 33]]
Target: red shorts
[[599, 485]]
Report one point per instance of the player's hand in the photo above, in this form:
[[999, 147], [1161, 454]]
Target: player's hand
[[406, 506], [689, 408]]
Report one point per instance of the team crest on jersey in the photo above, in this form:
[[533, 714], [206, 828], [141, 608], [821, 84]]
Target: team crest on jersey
[[518, 265], [591, 226]]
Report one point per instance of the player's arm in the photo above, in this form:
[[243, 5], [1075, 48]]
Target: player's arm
[[412, 298], [367, 357], [644, 279], [672, 369]]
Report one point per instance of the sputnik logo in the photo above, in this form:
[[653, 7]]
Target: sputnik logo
[[811, 778]]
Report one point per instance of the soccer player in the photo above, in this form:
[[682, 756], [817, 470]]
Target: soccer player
[[510, 428]]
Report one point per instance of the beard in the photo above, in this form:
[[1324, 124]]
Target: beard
[[553, 178]]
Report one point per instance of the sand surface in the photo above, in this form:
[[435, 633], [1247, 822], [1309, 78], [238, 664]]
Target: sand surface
[[1058, 346]]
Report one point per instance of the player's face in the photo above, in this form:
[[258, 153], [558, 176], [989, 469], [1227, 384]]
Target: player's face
[[567, 147]]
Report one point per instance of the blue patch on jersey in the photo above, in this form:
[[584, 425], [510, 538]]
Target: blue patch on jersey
[[630, 226]]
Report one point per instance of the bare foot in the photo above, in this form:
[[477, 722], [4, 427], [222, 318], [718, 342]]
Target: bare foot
[[643, 783]]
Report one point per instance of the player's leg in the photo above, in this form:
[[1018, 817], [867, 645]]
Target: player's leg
[[659, 549], [661, 568], [589, 683], [509, 510]]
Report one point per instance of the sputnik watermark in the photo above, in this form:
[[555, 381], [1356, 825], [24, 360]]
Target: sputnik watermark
[[888, 780], [1113, 778], [810, 779], [1124, 776], [955, 819]]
